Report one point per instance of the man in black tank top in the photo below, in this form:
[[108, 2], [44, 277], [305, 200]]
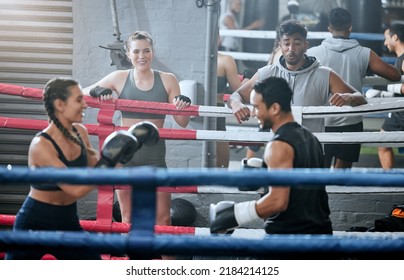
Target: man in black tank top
[[291, 209], [394, 41]]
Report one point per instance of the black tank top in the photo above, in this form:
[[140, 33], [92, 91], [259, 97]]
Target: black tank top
[[308, 210], [80, 161], [399, 65]]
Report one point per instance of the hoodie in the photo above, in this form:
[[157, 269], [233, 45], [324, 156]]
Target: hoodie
[[310, 86], [349, 60]]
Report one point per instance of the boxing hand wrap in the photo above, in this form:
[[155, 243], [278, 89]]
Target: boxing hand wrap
[[145, 132], [227, 215], [100, 91], [183, 98], [396, 88], [372, 93], [118, 147]]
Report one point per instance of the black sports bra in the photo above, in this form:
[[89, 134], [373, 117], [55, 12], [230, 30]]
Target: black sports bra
[[80, 161]]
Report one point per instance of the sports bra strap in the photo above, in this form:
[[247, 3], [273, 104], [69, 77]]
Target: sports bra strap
[[60, 153]]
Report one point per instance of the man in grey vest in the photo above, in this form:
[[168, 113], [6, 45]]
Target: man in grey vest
[[351, 61]]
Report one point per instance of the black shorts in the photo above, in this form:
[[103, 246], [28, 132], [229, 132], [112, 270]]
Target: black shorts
[[345, 152], [394, 122], [39, 216], [221, 124], [256, 148]]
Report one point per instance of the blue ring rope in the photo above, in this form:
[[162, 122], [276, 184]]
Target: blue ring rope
[[144, 181], [197, 245], [208, 176]]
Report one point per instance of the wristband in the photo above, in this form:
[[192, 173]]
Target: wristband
[[235, 96], [245, 212], [100, 91], [183, 98], [396, 88]]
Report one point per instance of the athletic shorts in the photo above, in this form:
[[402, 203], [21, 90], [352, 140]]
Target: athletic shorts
[[394, 122], [40, 216], [150, 156], [345, 152], [257, 147], [221, 124]]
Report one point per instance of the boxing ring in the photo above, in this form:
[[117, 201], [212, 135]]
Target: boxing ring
[[142, 241], [103, 234], [144, 236]]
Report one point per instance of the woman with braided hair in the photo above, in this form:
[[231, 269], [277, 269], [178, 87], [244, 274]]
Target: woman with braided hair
[[63, 143]]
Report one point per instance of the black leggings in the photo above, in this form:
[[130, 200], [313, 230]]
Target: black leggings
[[40, 216]]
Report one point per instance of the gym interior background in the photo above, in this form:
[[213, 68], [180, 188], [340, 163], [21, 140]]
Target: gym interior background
[[44, 39]]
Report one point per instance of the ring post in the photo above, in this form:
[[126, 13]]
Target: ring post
[[143, 214], [105, 193]]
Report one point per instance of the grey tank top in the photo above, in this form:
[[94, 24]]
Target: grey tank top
[[156, 94]]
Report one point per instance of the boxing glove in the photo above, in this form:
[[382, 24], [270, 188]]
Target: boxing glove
[[395, 88], [118, 147], [183, 98], [372, 93], [145, 132], [253, 163], [100, 91], [228, 215]]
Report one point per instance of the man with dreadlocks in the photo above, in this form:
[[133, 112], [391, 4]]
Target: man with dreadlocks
[[64, 143]]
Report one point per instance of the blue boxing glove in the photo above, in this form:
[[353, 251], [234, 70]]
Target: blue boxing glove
[[118, 147], [145, 132], [100, 91], [228, 215]]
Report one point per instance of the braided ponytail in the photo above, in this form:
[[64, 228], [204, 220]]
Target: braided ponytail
[[57, 88]]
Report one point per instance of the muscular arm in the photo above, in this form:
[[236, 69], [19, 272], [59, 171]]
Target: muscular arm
[[173, 89], [343, 93], [278, 154], [383, 69], [232, 73]]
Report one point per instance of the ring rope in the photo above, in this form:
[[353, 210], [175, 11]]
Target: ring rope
[[146, 176], [376, 139], [212, 111], [263, 34], [198, 245], [208, 176], [265, 56]]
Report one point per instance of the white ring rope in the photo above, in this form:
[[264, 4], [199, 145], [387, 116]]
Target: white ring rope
[[262, 34], [375, 105], [376, 139]]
